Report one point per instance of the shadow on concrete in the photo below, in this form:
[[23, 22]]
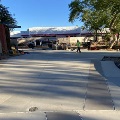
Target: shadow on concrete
[[46, 74], [63, 116]]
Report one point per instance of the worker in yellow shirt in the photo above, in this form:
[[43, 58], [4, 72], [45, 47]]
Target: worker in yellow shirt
[[78, 46]]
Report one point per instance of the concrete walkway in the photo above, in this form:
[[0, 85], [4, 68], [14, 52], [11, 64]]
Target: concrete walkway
[[98, 96], [59, 85]]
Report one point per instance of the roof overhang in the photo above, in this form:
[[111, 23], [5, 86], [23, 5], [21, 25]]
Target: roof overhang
[[48, 35], [10, 25], [13, 26]]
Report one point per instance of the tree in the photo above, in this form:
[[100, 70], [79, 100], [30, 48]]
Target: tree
[[112, 10], [5, 16], [97, 13], [7, 19]]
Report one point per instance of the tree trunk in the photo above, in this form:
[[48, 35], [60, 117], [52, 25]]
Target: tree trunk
[[112, 42], [96, 38], [7, 31]]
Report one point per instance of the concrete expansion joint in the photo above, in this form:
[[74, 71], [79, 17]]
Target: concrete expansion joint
[[110, 93], [46, 116], [78, 112], [85, 97]]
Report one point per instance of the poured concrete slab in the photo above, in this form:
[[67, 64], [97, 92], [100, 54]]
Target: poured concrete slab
[[100, 115], [62, 116], [115, 94], [112, 74], [98, 96], [23, 116]]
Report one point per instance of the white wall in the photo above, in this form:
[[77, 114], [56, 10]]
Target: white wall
[[15, 34], [73, 40], [81, 39], [63, 39]]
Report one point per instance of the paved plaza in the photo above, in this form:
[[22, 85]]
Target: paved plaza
[[60, 85]]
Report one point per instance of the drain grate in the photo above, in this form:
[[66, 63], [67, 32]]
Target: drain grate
[[33, 109]]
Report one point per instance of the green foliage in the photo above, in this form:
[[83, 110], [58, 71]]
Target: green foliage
[[96, 13], [6, 17], [107, 37], [76, 10]]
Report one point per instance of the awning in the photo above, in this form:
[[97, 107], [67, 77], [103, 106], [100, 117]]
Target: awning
[[10, 25]]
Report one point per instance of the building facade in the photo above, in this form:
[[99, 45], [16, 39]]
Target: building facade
[[72, 31], [62, 34]]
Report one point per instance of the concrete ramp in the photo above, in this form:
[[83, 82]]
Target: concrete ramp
[[98, 96], [110, 69], [112, 74]]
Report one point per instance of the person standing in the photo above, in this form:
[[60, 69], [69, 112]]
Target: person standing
[[89, 45], [78, 46]]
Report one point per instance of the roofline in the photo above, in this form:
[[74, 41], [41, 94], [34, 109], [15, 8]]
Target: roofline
[[57, 34]]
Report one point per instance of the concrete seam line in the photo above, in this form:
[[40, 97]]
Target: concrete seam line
[[110, 93], [46, 116], [86, 88]]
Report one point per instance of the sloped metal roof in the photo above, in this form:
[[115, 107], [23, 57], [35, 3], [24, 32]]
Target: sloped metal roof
[[54, 30]]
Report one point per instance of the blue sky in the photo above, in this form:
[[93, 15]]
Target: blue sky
[[40, 13]]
